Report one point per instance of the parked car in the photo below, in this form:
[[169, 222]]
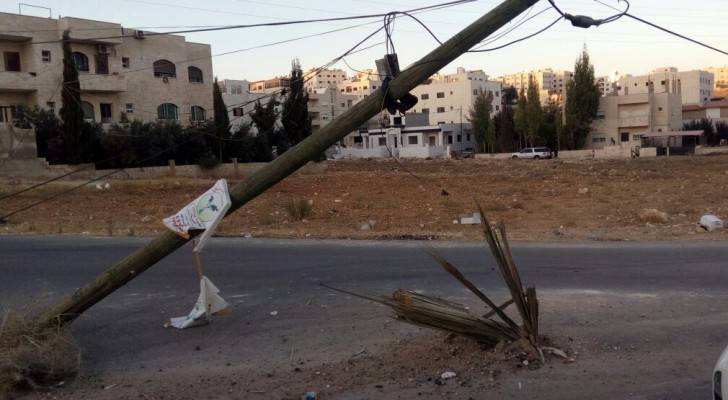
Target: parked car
[[534, 153], [720, 379]]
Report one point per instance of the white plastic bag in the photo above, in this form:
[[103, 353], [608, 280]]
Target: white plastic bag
[[711, 223], [209, 303]]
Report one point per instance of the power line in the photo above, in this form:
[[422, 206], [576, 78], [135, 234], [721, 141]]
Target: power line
[[267, 24], [584, 21], [689, 39], [479, 50]]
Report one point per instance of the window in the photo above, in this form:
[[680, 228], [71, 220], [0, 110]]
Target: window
[[88, 111], [440, 95], [81, 61], [164, 68], [167, 111], [425, 111], [497, 107], [130, 108], [12, 61], [105, 112], [397, 120], [449, 139], [382, 141], [125, 62], [424, 96], [412, 140], [460, 138], [659, 108], [51, 105], [441, 109], [238, 111], [475, 92], [467, 137], [358, 139], [197, 114], [624, 136], [102, 64], [195, 74], [636, 137], [45, 56]]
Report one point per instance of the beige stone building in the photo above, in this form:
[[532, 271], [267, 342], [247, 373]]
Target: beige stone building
[[362, 84], [604, 85], [267, 86], [327, 78], [122, 72], [239, 101], [326, 104], [551, 83], [716, 111], [447, 99], [622, 120], [695, 87]]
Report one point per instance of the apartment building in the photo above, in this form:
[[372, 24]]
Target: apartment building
[[448, 99], [326, 104], [239, 101], [322, 79], [268, 86], [124, 74], [362, 84], [695, 87], [551, 83], [623, 120], [720, 75], [604, 84]]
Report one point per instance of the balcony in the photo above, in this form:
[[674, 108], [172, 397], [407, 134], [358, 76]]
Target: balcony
[[634, 121], [103, 83], [17, 82]]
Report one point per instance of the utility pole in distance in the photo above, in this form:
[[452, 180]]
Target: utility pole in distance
[[309, 149]]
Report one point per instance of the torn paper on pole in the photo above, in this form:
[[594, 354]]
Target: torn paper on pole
[[208, 304], [204, 213]]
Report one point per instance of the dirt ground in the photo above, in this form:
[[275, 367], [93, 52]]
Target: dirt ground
[[540, 200]]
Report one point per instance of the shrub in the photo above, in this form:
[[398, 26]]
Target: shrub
[[298, 208]]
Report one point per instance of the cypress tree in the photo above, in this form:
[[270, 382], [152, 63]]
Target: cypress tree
[[295, 118], [222, 120], [71, 111], [582, 101]]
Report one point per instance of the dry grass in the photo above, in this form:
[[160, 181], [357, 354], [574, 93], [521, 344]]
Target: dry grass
[[33, 357], [298, 208]]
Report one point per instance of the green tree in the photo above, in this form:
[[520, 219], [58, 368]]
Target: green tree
[[505, 131], [264, 118], [222, 120], [534, 113], [705, 125], [479, 116], [582, 102], [295, 118], [490, 136], [71, 112], [520, 118]]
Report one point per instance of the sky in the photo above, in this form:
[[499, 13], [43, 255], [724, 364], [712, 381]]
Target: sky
[[624, 46]]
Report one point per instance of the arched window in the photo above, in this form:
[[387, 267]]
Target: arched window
[[164, 68], [88, 111], [167, 111], [197, 114], [80, 60], [195, 74]]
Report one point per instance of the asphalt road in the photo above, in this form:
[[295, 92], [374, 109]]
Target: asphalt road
[[665, 302]]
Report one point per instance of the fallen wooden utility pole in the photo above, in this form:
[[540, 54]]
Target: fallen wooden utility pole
[[309, 149]]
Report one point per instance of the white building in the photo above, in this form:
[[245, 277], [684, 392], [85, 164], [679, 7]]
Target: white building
[[448, 99], [239, 101], [410, 136], [326, 104], [124, 74], [322, 79], [604, 85], [695, 87], [362, 84]]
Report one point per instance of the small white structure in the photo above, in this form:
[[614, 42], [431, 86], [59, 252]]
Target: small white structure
[[416, 139]]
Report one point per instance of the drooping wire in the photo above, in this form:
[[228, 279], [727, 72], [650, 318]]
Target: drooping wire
[[583, 21], [681, 36]]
